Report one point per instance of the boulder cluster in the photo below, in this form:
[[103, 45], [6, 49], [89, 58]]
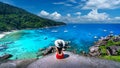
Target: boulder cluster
[[111, 45], [51, 49]]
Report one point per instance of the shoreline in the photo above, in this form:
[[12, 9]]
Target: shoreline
[[2, 34]]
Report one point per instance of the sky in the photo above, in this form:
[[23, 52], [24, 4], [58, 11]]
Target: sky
[[72, 11]]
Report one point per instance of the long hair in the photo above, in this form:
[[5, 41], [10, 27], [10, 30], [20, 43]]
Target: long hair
[[59, 50]]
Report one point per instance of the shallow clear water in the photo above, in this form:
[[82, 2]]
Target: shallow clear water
[[26, 43]]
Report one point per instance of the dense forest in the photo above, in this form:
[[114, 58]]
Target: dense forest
[[12, 18]]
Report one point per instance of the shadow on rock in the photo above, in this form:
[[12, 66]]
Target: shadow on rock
[[66, 56]]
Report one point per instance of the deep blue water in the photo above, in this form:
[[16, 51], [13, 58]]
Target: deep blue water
[[26, 43]]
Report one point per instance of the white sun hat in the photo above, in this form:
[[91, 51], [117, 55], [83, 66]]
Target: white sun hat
[[59, 43]]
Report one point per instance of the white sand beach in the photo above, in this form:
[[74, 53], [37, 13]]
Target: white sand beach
[[5, 33]]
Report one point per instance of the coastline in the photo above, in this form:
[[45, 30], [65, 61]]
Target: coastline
[[2, 34], [72, 49]]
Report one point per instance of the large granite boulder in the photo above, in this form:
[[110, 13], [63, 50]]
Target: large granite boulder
[[99, 43], [51, 49], [3, 47], [94, 51], [5, 57], [113, 50], [8, 65], [116, 39]]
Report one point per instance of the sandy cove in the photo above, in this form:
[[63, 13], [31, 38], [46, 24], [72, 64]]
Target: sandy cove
[[2, 34]]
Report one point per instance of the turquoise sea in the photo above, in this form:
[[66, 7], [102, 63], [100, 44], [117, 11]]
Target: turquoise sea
[[24, 44]]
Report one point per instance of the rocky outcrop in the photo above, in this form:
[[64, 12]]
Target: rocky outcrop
[[113, 50], [16, 63], [94, 51], [73, 61], [3, 47], [50, 49], [104, 41], [5, 57], [116, 39]]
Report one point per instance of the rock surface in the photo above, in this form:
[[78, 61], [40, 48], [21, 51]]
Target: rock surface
[[16, 63], [72, 61], [94, 51], [113, 49], [51, 49], [5, 57], [104, 41]]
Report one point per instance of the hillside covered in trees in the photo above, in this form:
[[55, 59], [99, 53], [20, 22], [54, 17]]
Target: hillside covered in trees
[[12, 18]]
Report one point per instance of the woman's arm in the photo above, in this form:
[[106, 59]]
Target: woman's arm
[[56, 50]]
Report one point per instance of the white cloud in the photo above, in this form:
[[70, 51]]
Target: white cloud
[[69, 15], [59, 3], [117, 18], [102, 4], [83, 0], [44, 13], [92, 17], [68, 4], [73, 1], [54, 16], [62, 3], [78, 13]]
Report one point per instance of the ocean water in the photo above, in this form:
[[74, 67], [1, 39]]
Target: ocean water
[[24, 44]]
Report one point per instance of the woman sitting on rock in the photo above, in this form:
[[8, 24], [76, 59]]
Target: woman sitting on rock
[[59, 48]]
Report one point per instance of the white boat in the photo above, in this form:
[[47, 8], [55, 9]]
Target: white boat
[[54, 31], [95, 37], [111, 32], [65, 30], [104, 30]]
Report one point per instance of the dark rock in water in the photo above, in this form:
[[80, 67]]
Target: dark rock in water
[[50, 50], [46, 51], [2, 47], [113, 49], [42, 49], [45, 38], [5, 57], [9, 42]]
